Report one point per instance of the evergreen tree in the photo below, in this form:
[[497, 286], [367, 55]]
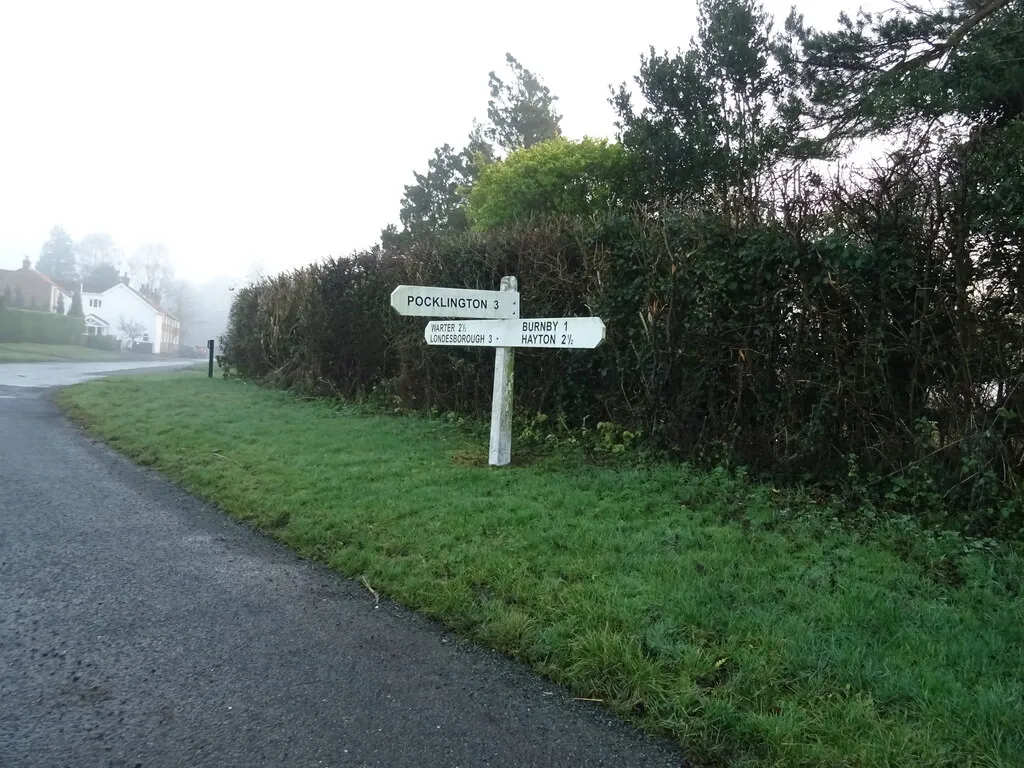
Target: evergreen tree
[[8, 297], [716, 117], [103, 273], [60, 303], [436, 202], [521, 114], [57, 258], [76, 305], [887, 73], [947, 83], [521, 111], [19, 298]]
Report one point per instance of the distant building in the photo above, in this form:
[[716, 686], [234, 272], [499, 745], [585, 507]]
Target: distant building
[[38, 291], [115, 309]]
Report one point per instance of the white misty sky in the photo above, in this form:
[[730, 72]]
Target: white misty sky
[[276, 133]]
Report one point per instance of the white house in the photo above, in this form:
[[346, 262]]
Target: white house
[[120, 311]]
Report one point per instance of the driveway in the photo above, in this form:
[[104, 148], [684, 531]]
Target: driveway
[[139, 627]]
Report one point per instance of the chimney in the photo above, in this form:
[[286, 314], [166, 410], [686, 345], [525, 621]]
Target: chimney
[[26, 264]]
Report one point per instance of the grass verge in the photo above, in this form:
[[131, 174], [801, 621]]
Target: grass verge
[[692, 603], [50, 353]]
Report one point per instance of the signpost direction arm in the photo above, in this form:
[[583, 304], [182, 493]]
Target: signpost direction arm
[[537, 332], [434, 301], [500, 453]]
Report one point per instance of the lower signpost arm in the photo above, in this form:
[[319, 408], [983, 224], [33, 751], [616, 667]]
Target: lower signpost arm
[[500, 453]]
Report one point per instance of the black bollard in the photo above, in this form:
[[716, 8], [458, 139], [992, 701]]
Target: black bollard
[[209, 345]]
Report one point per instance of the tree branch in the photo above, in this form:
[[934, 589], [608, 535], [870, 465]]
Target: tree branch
[[957, 36]]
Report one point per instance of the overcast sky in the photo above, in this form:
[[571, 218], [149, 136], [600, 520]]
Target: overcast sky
[[276, 133]]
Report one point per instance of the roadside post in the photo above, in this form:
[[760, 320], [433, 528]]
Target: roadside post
[[499, 452], [209, 346], [494, 322]]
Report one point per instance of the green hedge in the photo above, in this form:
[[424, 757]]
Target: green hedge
[[804, 357], [108, 343], [23, 325]]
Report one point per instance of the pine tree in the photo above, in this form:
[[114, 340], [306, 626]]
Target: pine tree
[[60, 303], [57, 258], [19, 298], [713, 119], [76, 306], [8, 297], [522, 111]]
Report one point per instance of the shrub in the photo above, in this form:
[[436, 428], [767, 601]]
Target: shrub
[[557, 177], [22, 325], [109, 343], [804, 358]]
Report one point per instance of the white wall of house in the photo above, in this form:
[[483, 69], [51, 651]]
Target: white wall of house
[[121, 302], [168, 332], [55, 294]]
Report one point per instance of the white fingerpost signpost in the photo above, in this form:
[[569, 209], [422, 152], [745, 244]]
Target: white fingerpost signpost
[[495, 323]]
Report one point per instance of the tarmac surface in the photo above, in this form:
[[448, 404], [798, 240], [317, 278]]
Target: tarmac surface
[[141, 627], [62, 374]]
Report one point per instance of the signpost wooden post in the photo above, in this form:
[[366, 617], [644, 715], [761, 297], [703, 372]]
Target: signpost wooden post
[[496, 323], [499, 453]]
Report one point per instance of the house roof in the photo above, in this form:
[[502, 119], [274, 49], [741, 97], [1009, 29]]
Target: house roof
[[98, 286], [148, 300], [42, 276], [89, 286], [103, 286]]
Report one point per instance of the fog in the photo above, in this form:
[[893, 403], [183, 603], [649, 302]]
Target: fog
[[241, 134]]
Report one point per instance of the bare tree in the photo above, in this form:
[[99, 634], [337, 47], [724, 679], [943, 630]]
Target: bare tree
[[96, 250], [152, 266], [180, 298], [132, 329]]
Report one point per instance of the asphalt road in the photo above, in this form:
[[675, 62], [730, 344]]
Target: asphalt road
[[141, 627], [62, 374]]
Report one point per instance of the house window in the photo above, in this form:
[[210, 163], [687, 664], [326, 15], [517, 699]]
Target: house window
[[145, 337]]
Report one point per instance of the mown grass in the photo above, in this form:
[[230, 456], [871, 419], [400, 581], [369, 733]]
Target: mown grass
[[755, 631], [49, 353]]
